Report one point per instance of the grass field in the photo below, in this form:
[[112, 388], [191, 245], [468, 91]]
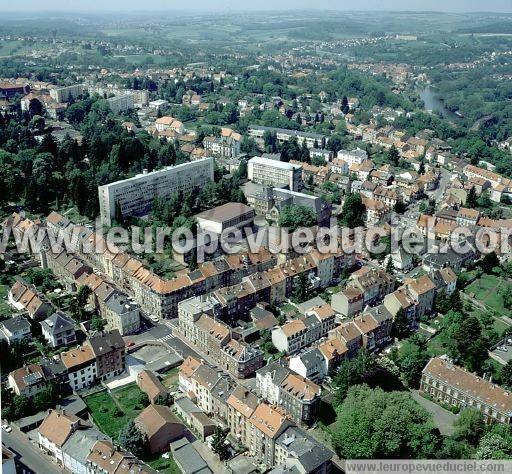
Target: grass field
[[167, 466], [111, 411], [486, 289], [170, 378]]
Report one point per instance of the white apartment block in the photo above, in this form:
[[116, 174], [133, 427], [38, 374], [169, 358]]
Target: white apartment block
[[65, 94], [134, 196], [121, 103], [273, 173], [312, 140], [353, 157]]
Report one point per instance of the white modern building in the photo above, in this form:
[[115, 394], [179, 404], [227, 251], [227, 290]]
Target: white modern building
[[121, 103], [65, 94], [135, 196], [275, 173], [353, 157]]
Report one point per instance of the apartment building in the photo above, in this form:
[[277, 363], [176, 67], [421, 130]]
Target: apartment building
[[29, 380], [274, 173], [66, 94], [163, 124], [109, 350], [121, 313], [223, 146], [374, 283], [310, 365], [121, 102], [15, 329], [313, 140], [80, 364], [448, 383], [135, 196], [352, 157]]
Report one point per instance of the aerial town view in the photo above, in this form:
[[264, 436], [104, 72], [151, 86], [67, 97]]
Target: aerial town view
[[256, 237]]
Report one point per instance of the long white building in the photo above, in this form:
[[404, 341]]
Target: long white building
[[65, 94], [134, 196], [274, 173]]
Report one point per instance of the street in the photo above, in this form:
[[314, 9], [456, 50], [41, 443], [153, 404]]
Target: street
[[30, 456]]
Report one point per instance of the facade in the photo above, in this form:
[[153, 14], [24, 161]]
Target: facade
[[222, 147], [109, 350], [299, 398], [274, 173], [121, 313], [59, 330], [448, 383], [28, 380], [80, 364], [313, 140], [121, 102], [310, 365], [135, 196], [15, 329], [352, 157], [66, 94]]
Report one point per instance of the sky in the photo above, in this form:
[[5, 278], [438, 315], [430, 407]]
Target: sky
[[236, 5]]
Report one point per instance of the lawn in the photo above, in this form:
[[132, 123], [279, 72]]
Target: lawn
[[111, 411], [487, 290], [4, 307], [170, 378], [167, 466]]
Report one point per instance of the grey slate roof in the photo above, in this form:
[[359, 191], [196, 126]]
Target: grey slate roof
[[80, 443], [105, 342], [15, 324], [277, 369], [57, 323], [308, 452]]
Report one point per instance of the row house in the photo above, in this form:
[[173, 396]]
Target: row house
[[415, 298], [25, 297], [296, 334], [375, 283]]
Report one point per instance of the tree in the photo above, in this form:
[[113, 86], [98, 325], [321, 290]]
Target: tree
[[353, 211], [506, 375], [295, 216], [471, 199], [301, 288], [393, 156], [376, 424], [496, 443], [390, 267], [143, 399], [411, 358], [469, 426], [401, 328], [97, 324], [219, 445], [82, 297], [132, 439], [489, 262]]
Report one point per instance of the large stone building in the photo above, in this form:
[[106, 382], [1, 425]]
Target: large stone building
[[448, 383], [135, 196]]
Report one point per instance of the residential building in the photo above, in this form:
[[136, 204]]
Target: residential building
[[8, 462], [150, 384], [187, 458], [105, 458], [241, 405], [169, 123], [121, 313], [348, 302], [374, 283], [135, 196], [269, 379], [313, 140], [310, 365], [274, 173], [59, 330], [161, 427], [109, 350], [227, 145], [352, 157], [297, 451], [80, 364], [15, 329], [453, 385], [67, 93], [445, 280], [121, 102], [29, 380], [299, 398]]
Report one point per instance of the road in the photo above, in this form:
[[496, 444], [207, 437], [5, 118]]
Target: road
[[28, 455]]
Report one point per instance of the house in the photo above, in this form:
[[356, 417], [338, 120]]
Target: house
[[15, 329], [160, 425], [350, 335], [59, 330], [402, 260], [374, 283], [121, 313], [334, 352], [109, 350], [105, 458], [188, 459], [80, 364], [55, 430], [269, 379], [241, 405], [169, 123], [467, 217], [149, 383], [29, 380], [299, 398], [348, 302], [445, 280], [194, 417], [310, 365], [297, 451], [455, 386]]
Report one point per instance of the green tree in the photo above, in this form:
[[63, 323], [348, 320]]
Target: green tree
[[469, 426], [132, 439], [401, 328], [471, 199], [219, 445], [352, 213], [375, 424], [411, 359], [393, 156], [496, 443], [506, 375], [295, 216]]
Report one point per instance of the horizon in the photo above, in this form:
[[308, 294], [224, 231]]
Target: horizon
[[230, 6]]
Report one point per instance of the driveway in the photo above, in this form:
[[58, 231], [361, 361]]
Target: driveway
[[443, 419]]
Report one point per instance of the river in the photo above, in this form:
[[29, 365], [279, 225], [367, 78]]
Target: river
[[434, 104]]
